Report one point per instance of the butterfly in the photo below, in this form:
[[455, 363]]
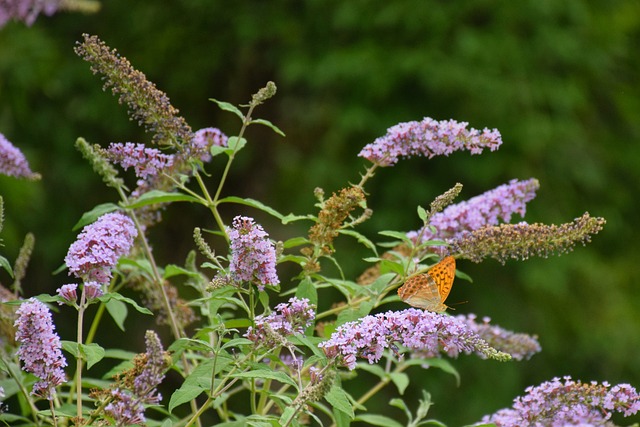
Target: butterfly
[[430, 290]]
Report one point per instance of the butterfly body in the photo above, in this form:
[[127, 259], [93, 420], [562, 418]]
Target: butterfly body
[[430, 290]]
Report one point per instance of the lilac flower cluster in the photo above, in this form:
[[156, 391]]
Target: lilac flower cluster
[[145, 161], [428, 138], [204, 139], [12, 161], [486, 209], [40, 347], [289, 318], [427, 333], [99, 246], [570, 403], [26, 10], [253, 256], [127, 406], [519, 346]]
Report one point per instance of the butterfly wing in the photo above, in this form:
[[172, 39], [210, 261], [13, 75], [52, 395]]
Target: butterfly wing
[[443, 274], [421, 291], [429, 291]]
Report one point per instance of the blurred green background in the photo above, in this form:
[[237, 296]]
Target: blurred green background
[[560, 80]]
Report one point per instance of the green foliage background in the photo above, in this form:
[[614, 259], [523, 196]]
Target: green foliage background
[[558, 79]]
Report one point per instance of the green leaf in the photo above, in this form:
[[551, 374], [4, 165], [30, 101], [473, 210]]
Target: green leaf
[[396, 235], [355, 313], [235, 144], [307, 290], [294, 242], [70, 347], [339, 400], [267, 375], [186, 393], [4, 263], [374, 369], [254, 204], [225, 106], [401, 381], [268, 124], [360, 238], [93, 352], [175, 270], [422, 213], [156, 196], [107, 297], [95, 213], [377, 420], [436, 363], [118, 312]]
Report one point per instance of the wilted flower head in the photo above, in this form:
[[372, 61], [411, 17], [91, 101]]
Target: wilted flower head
[[425, 332], [145, 161], [138, 385], [26, 10], [204, 139], [148, 105], [488, 208], [559, 403], [253, 256], [40, 347], [521, 241], [99, 246], [428, 138], [289, 318], [12, 161], [333, 214]]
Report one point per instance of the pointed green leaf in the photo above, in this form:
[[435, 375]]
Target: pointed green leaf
[[184, 394], [4, 263], [422, 213], [156, 196], [93, 353], [95, 213], [267, 375], [268, 124], [254, 204], [228, 107], [107, 297], [361, 239], [339, 400], [401, 381], [377, 420], [118, 312]]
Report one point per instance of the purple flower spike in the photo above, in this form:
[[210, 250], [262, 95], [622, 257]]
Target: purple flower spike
[[288, 318], [40, 347], [570, 403], [253, 256], [488, 208], [424, 332], [12, 161], [428, 138], [26, 10], [145, 161], [99, 246]]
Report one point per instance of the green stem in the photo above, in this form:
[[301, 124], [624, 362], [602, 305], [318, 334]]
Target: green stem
[[79, 360], [24, 391]]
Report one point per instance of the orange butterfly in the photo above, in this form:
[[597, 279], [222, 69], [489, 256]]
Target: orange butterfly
[[430, 290]]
